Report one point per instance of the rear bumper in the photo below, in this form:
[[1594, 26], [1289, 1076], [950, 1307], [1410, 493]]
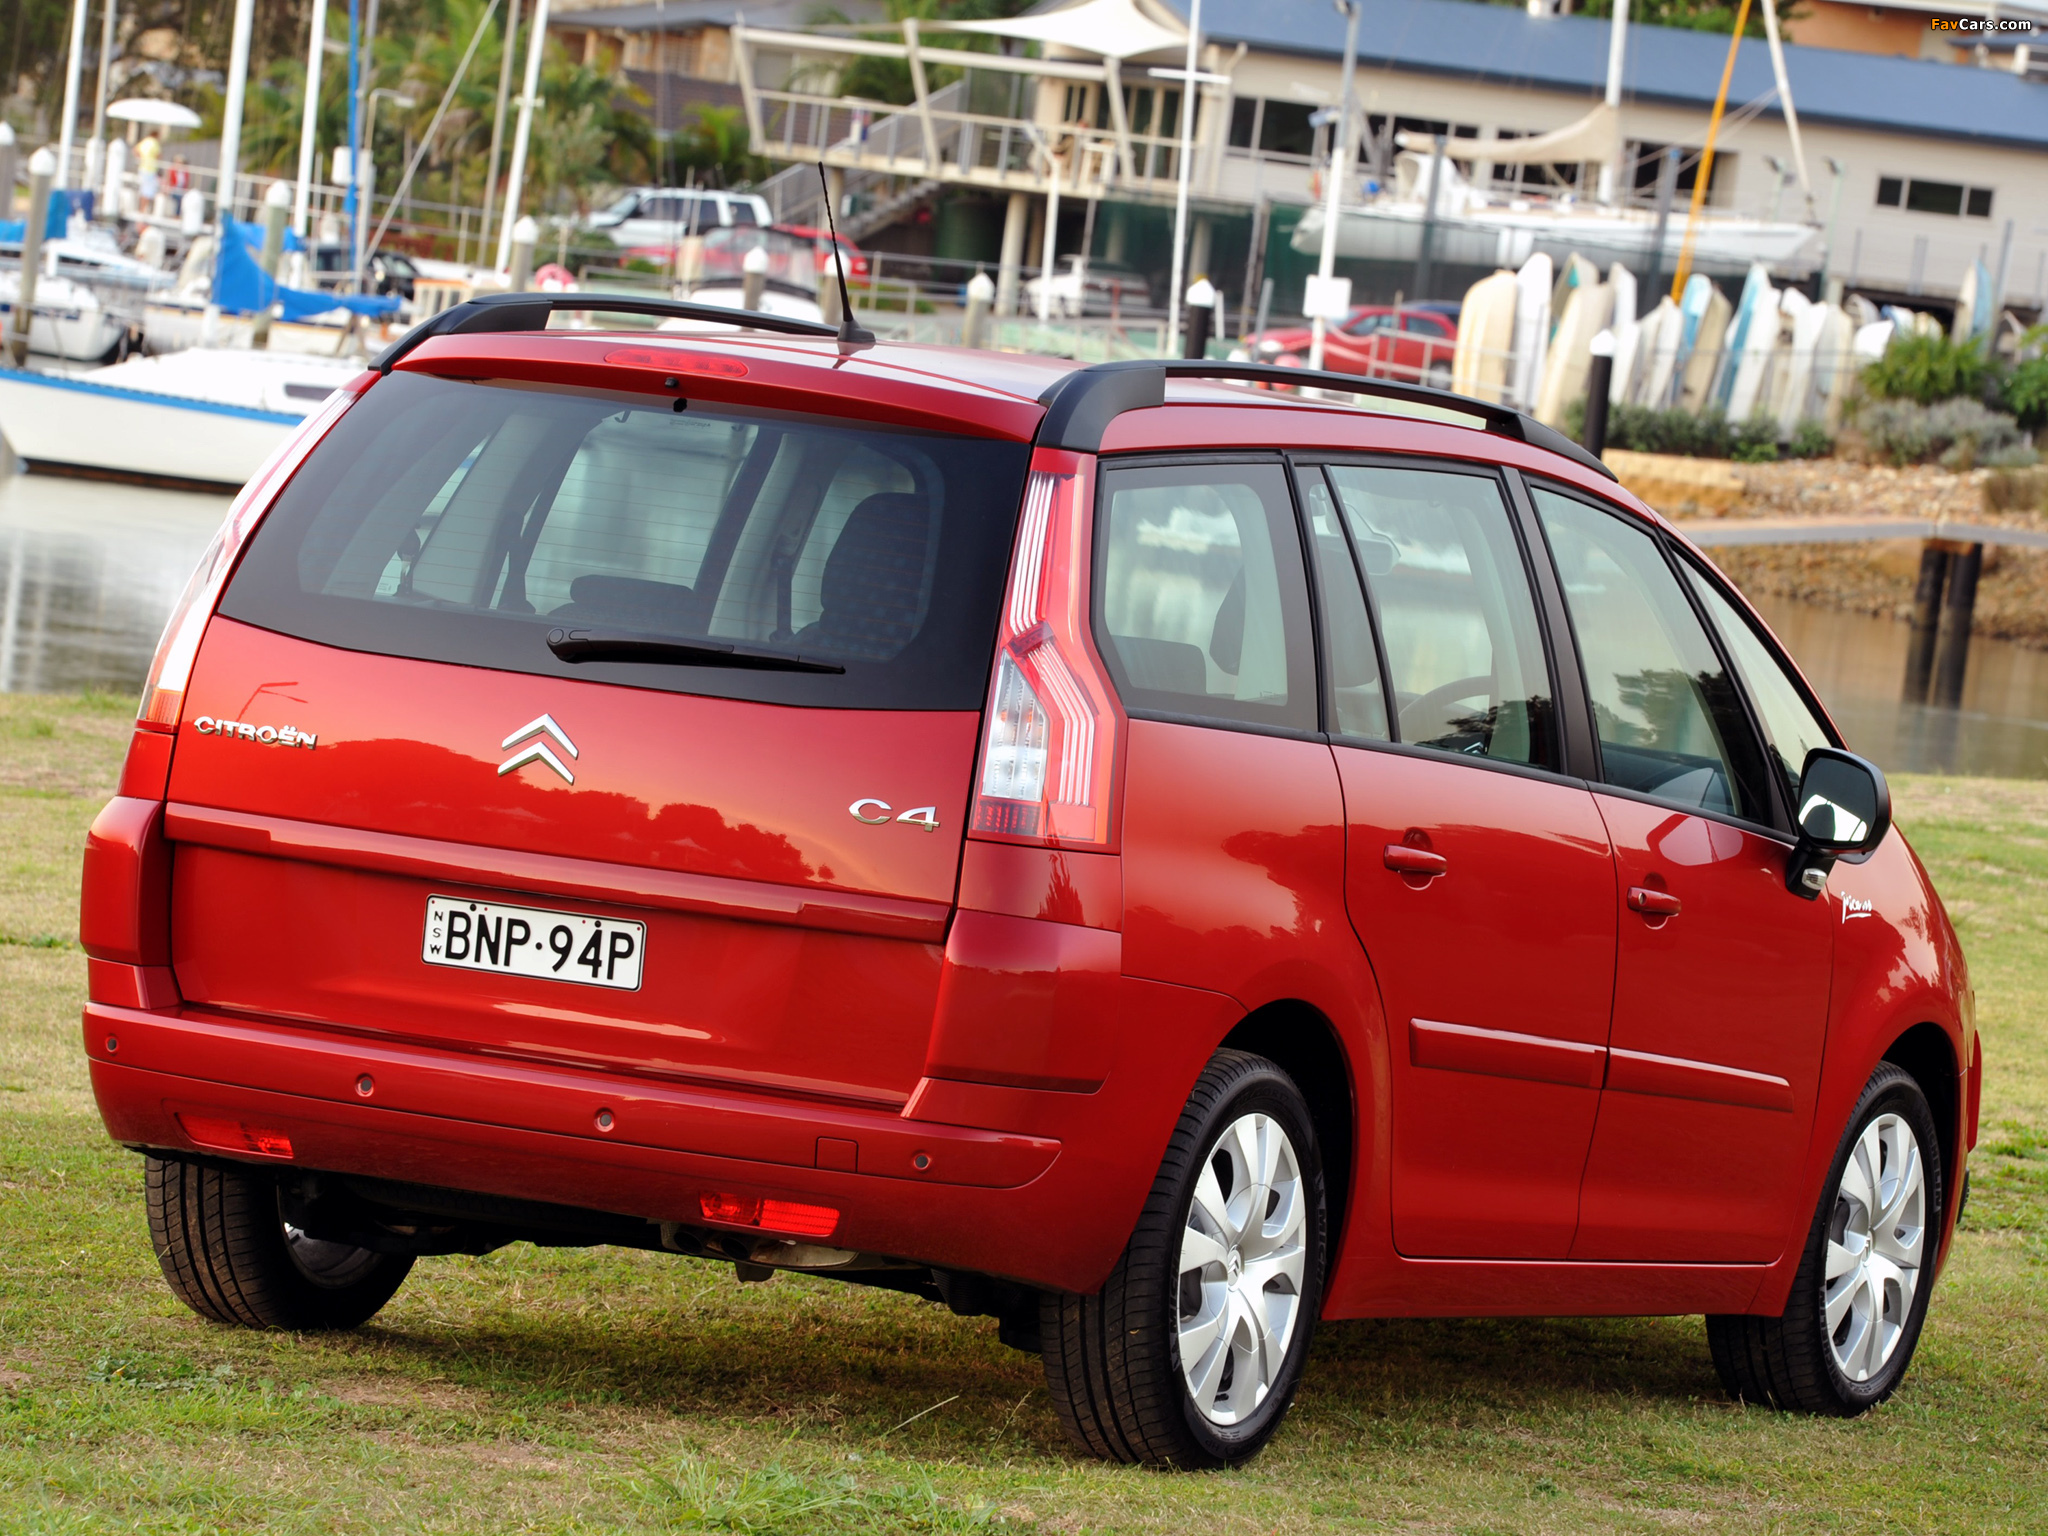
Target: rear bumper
[[1047, 1196]]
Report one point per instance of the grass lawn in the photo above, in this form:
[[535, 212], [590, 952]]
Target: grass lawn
[[599, 1391]]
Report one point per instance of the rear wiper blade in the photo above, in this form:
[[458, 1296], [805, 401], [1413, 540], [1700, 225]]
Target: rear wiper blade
[[596, 645]]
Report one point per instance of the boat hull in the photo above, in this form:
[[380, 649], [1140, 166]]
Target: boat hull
[[72, 424], [1507, 239]]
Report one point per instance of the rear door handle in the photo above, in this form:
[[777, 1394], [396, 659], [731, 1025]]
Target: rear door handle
[[1652, 903], [1415, 861]]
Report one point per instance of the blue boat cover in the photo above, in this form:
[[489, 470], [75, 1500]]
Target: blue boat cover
[[242, 287]]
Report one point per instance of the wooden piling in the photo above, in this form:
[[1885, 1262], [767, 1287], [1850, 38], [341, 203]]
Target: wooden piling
[[1958, 610], [1934, 563]]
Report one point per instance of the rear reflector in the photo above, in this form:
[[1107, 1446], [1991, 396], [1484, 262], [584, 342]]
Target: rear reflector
[[1048, 753], [225, 1135], [772, 1215], [163, 696]]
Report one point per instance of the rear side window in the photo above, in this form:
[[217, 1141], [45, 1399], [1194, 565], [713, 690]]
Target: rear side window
[[1670, 721], [1455, 612], [463, 522], [1202, 608]]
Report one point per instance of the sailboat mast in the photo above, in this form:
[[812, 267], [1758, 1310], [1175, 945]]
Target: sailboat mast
[[68, 131], [351, 200], [1704, 176], [1617, 55], [230, 145], [1785, 101], [537, 41], [309, 121]]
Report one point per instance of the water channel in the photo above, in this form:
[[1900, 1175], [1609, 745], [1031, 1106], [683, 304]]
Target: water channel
[[88, 572]]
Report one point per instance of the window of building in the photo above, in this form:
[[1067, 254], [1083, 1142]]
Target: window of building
[[1244, 122], [1648, 162], [1943, 197], [1284, 128]]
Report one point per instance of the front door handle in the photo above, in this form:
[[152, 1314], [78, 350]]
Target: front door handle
[[1652, 903], [1405, 860]]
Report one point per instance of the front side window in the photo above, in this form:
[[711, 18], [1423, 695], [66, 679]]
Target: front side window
[[1456, 615], [1201, 604], [1791, 726], [1670, 721], [465, 522]]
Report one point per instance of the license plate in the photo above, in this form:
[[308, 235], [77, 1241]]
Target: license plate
[[529, 941]]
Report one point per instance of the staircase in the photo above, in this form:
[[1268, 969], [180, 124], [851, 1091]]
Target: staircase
[[873, 200]]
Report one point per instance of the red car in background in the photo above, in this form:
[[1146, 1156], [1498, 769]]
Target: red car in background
[[1148, 861], [1414, 343], [856, 263]]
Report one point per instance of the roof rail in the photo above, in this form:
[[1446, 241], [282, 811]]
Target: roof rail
[[530, 312], [1080, 405]]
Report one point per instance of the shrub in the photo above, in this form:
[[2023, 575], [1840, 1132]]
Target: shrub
[[2026, 386], [1702, 435], [2016, 490], [1810, 440], [1959, 433], [1926, 369], [1755, 441]]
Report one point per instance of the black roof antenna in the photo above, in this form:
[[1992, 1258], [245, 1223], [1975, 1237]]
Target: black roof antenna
[[852, 334]]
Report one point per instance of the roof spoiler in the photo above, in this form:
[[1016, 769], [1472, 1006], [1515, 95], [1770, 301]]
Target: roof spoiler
[[1080, 405], [530, 311]]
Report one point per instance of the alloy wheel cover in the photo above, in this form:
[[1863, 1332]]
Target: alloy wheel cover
[[1877, 1243], [1240, 1268]]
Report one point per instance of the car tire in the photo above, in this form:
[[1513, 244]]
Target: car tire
[[228, 1254], [1114, 1361], [1437, 376], [1844, 1341]]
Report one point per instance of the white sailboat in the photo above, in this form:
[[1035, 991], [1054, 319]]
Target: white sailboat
[[202, 417], [1481, 227]]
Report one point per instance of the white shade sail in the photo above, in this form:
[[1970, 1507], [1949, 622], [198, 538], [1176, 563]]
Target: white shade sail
[[1110, 29], [161, 114], [1594, 138]]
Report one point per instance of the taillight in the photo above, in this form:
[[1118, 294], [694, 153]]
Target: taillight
[[1049, 745], [226, 1135], [791, 1216], [163, 696]]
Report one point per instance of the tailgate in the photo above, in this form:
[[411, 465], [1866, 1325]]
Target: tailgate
[[596, 732]]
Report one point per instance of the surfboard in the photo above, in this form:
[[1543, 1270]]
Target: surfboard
[[1973, 304], [1659, 357], [1772, 402], [1753, 289], [1797, 402], [1703, 356], [1486, 336], [1586, 313], [1747, 379], [1575, 273], [1834, 365], [1626, 331], [1532, 329]]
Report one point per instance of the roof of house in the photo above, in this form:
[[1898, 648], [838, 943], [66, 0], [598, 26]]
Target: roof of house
[[786, 15], [1504, 44]]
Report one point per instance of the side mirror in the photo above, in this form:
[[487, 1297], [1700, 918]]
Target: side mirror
[[1845, 808]]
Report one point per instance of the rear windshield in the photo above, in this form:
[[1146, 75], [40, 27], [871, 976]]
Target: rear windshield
[[464, 522]]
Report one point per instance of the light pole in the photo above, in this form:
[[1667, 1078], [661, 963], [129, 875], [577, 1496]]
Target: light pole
[[365, 188], [1180, 196], [1340, 168]]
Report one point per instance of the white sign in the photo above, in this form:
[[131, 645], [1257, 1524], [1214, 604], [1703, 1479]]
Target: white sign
[[1328, 298]]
